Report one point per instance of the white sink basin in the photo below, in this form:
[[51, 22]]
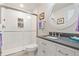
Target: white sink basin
[[51, 37]]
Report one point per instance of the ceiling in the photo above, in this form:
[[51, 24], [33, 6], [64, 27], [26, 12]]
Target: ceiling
[[28, 7]]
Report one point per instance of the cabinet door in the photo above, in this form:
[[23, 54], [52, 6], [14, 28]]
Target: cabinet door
[[41, 51], [64, 51], [51, 49], [41, 47], [76, 52], [46, 48]]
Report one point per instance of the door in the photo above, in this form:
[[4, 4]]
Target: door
[[46, 48]]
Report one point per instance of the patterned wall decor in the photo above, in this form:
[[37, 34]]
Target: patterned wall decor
[[42, 16], [60, 20], [20, 23]]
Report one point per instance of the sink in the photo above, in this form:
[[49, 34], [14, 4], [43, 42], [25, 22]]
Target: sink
[[75, 38], [51, 37]]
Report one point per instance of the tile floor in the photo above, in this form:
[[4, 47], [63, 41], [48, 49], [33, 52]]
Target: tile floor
[[21, 53]]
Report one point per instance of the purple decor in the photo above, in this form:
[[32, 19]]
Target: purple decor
[[0, 40], [77, 29], [40, 24]]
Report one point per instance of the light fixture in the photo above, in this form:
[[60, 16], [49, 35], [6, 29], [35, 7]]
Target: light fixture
[[21, 5], [29, 17]]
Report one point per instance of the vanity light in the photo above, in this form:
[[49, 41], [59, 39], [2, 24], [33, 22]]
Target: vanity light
[[21, 5]]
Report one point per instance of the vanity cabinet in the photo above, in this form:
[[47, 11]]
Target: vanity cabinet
[[48, 48]]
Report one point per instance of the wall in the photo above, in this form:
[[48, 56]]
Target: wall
[[14, 38], [46, 7]]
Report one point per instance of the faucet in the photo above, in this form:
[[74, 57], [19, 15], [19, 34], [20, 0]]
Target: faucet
[[59, 35]]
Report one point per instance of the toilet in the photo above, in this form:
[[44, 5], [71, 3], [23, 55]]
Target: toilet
[[31, 49]]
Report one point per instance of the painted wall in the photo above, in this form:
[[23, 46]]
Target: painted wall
[[14, 38], [46, 7]]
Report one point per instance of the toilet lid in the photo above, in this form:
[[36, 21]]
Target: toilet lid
[[31, 47]]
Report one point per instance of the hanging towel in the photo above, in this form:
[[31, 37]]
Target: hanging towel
[[77, 28], [0, 40], [41, 24]]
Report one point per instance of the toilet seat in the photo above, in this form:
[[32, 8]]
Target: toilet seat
[[31, 47]]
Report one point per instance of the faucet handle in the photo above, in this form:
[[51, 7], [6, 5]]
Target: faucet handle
[[50, 33]]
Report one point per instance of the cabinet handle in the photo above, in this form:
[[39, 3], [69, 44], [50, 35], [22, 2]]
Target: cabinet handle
[[44, 43], [63, 53], [44, 51]]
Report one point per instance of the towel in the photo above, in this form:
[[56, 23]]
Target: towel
[[0, 40], [77, 29]]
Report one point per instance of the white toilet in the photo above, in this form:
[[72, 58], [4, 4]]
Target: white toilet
[[31, 49]]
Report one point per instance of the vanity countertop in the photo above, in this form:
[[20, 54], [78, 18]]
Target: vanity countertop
[[63, 41]]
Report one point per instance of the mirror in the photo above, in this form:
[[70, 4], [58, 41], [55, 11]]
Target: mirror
[[63, 16]]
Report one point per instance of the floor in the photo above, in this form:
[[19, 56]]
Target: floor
[[21, 53]]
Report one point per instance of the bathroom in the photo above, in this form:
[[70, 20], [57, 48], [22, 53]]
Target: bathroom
[[39, 29]]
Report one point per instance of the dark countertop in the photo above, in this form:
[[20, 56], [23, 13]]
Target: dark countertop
[[63, 41]]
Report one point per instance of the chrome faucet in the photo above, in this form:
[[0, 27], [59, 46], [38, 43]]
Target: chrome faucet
[[59, 35]]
